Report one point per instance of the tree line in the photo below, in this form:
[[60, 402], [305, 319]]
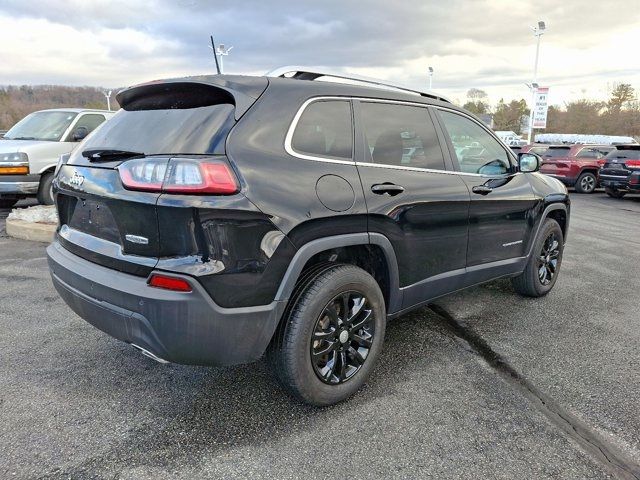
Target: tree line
[[619, 115], [18, 101]]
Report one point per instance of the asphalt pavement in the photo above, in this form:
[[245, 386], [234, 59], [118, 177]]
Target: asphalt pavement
[[485, 384]]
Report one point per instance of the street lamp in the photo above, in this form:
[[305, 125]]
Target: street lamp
[[108, 97], [222, 51], [430, 77], [538, 31]]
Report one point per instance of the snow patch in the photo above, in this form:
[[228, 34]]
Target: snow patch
[[37, 214]]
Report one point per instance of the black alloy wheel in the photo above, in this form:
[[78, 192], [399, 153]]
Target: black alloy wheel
[[548, 259], [342, 337]]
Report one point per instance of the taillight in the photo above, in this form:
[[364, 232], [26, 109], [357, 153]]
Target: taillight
[[633, 164], [179, 175], [169, 283]]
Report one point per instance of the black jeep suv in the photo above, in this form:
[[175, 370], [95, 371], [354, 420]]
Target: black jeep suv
[[621, 172], [215, 219]]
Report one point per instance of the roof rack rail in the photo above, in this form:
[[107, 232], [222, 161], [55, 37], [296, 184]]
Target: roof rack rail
[[313, 73]]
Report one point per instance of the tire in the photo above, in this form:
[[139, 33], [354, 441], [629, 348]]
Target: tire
[[309, 326], [586, 183], [614, 192], [45, 195], [8, 202], [532, 282]]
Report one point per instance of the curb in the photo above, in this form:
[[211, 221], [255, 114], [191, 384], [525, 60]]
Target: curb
[[35, 232]]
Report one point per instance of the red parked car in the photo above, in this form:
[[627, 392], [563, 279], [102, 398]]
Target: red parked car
[[575, 165]]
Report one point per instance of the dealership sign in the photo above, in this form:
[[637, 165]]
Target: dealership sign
[[540, 106]]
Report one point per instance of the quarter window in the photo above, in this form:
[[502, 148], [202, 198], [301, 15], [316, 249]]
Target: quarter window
[[477, 151], [325, 130], [401, 135]]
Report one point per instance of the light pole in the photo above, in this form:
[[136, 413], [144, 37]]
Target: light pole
[[538, 31], [108, 97], [222, 51], [430, 77]]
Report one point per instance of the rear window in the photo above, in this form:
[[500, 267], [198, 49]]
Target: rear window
[[553, 152], [627, 154], [200, 130]]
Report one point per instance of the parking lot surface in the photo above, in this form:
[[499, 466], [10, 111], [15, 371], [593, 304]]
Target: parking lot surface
[[483, 384]]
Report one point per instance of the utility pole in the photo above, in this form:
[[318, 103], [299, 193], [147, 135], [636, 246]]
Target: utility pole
[[108, 97], [430, 77], [538, 31], [222, 51]]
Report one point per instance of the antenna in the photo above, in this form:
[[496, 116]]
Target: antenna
[[215, 56]]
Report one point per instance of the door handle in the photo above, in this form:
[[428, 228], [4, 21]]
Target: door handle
[[482, 189], [390, 188]]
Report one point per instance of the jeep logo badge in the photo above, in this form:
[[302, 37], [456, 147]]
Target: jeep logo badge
[[77, 179]]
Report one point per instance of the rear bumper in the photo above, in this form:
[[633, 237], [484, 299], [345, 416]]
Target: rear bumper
[[186, 328], [620, 182], [19, 184]]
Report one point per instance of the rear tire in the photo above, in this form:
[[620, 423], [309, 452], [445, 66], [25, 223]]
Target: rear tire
[[586, 183], [614, 192], [45, 193], [543, 266], [7, 202], [324, 351]]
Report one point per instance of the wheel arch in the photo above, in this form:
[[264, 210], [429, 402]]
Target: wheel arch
[[371, 251], [559, 211]]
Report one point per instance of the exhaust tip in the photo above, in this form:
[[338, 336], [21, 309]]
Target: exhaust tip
[[149, 354]]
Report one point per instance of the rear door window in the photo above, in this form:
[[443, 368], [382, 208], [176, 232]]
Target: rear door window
[[325, 130], [400, 135]]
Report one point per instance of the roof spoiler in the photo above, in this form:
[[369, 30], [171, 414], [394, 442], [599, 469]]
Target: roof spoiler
[[193, 92]]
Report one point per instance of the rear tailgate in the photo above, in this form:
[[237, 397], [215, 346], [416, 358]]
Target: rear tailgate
[[161, 123], [556, 161]]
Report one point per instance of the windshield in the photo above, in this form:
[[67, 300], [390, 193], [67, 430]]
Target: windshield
[[45, 126], [201, 130]]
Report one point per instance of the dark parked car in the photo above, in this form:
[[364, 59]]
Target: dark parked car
[[621, 172], [215, 219], [575, 165]]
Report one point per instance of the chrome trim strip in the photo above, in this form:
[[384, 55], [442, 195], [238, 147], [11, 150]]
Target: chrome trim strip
[[623, 177], [19, 187], [14, 164], [294, 123]]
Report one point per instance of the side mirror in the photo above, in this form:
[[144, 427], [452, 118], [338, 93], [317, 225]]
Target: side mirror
[[528, 162], [80, 133]]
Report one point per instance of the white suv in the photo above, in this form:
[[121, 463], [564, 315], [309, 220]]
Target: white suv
[[29, 152]]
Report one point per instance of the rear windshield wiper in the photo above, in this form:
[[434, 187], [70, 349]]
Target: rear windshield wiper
[[108, 155]]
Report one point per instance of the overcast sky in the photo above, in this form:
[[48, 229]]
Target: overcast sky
[[487, 44]]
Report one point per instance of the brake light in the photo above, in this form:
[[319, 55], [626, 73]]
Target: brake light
[[179, 175], [633, 164], [169, 283]]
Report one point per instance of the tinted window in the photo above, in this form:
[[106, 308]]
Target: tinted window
[[538, 150], [627, 154], [201, 130], [324, 130], [401, 135], [555, 152], [477, 150], [589, 153], [90, 121]]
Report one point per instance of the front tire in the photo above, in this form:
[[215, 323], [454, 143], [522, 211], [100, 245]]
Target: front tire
[[331, 335], [586, 183], [45, 191], [543, 266], [614, 192]]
